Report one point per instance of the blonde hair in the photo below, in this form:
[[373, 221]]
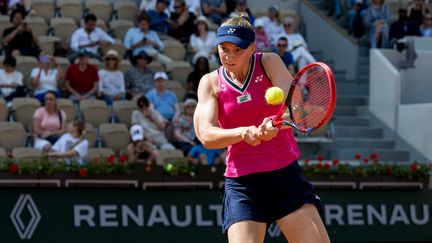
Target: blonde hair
[[241, 21]]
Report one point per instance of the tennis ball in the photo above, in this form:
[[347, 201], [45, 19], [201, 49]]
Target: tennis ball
[[169, 168], [274, 96]]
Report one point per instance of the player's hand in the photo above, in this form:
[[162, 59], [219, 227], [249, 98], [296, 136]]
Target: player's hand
[[250, 136], [266, 132]]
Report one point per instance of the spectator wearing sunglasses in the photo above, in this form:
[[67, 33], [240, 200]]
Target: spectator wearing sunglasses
[[181, 22], [426, 28], [111, 79], [286, 56]]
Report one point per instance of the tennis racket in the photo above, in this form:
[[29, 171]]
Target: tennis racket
[[311, 99]]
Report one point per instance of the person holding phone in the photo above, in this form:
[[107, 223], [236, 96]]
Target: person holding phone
[[46, 77]]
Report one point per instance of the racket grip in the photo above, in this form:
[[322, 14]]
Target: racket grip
[[270, 125]]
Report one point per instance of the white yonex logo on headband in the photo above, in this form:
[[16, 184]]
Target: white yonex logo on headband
[[231, 30]]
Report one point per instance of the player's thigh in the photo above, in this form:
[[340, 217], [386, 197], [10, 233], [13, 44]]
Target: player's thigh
[[304, 225], [246, 232]]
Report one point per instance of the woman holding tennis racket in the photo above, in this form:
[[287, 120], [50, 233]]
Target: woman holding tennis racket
[[263, 179]]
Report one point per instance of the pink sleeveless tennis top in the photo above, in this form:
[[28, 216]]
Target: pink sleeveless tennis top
[[246, 106]]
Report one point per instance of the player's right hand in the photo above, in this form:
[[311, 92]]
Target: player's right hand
[[251, 136]]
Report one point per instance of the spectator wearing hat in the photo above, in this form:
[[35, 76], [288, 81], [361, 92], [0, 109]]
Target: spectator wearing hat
[[11, 81], [141, 38], [182, 22], [355, 19], [184, 132], [111, 79], [202, 42], [262, 40], [82, 78], [46, 77], [139, 78], [162, 99], [215, 10], [201, 68], [153, 124], [20, 38], [273, 23], [159, 19], [141, 150], [426, 27], [89, 38], [286, 56]]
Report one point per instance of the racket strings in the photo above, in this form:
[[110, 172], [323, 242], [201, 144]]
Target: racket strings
[[311, 98]]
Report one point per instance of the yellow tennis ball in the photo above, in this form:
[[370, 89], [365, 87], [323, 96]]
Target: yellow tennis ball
[[274, 96]]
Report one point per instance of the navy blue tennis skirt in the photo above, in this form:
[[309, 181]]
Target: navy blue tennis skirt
[[266, 196]]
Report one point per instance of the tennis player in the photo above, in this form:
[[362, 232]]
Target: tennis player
[[263, 181]]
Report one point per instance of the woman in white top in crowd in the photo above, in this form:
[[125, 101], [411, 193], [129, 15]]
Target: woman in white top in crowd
[[46, 77], [273, 23], [202, 42], [11, 81], [111, 79], [72, 146]]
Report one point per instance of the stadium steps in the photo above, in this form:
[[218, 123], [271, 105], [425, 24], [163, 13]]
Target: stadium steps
[[357, 132], [358, 100], [351, 121], [362, 143], [383, 154], [352, 89], [350, 110]]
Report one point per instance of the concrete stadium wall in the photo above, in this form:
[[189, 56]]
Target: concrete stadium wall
[[417, 84], [384, 89], [419, 117], [327, 37]]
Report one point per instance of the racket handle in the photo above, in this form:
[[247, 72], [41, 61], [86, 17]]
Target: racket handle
[[270, 125]]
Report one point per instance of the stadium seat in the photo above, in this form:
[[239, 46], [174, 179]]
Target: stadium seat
[[180, 71], [48, 43], [99, 23], [3, 110], [95, 112], [125, 10], [63, 28], [4, 24], [25, 64], [43, 8], [114, 136], [171, 155], [37, 24], [90, 135], [12, 134], [125, 65], [26, 154], [71, 9], [123, 111], [118, 46], [97, 153], [177, 88], [156, 66], [23, 110], [68, 107], [119, 27], [101, 8], [175, 50]]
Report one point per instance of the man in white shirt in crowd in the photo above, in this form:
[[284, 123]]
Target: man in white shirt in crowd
[[11, 81], [90, 38]]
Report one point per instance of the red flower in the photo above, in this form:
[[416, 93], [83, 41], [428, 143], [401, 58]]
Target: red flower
[[306, 161], [389, 171], [123, 159], [357, 156], [413, 167], [374, 156], [320, 158], [13, 168], [83, 172], [326, 166], [111, 159], [430, 165], [96, 160], [335, 162], [365, 160]]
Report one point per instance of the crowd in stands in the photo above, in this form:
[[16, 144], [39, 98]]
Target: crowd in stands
[[131, 72]]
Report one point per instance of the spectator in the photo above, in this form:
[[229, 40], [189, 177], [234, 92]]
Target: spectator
[[139, 78], [12, 5], [378, 17], [285, 55], [200, 155], [202, 42], [242, 6], [46, 77], [147, 5], [355, 19], [182, 22], [49, 123], [141, 150], [262, 40], [11, 81], [215, 10], [72, 146], [201, 68], [273, 23], [20, 39], [159, 19], [152, 123], [143, 39], [89, 38], [111, 79], [184, 133], [416, 12], [402, 27], [296, 44], [82, 78], [194, 6], [163, 100], [426, 28]]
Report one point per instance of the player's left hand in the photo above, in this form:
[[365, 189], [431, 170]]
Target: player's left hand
[[265, 132]]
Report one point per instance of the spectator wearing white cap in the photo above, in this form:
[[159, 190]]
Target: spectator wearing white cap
[[111, 79], [273, 23], [141, 150], [163, 100], [262, 40]]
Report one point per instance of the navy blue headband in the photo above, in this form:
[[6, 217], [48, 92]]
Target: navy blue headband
[[240, 36]]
